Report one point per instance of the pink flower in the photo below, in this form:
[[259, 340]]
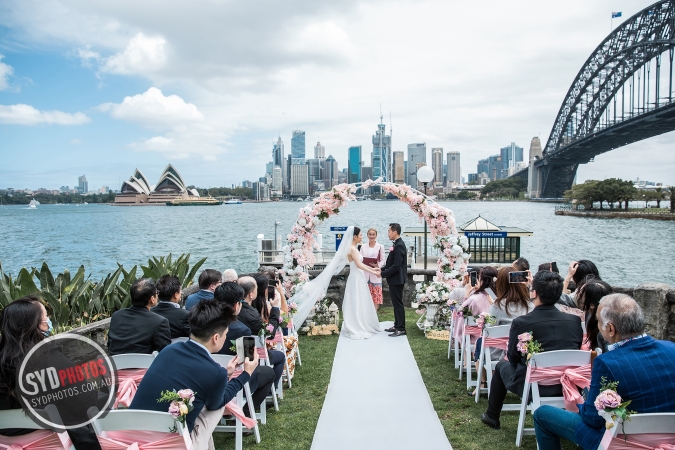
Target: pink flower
[[186, 394], [525, 337], [607, 399], [174, 409], [270, 328], [391, 249], [521, 347]]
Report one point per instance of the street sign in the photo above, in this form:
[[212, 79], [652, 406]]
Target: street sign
[[485, 234], [339, 235], [338, 228]]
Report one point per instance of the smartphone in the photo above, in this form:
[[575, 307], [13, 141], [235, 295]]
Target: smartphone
[[517, 277], [249, 347], [554, 267], [270, 292], [474, 278]]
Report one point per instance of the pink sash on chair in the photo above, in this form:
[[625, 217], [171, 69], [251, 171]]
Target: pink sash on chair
[[501, 343], [262, 353], [571, 378], [649, 441], [37, 440], [585, 345], [145, 440], [233, 408], [128, 384], [473, 330], [278, 338]]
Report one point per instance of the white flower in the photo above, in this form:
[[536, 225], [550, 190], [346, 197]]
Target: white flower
[[463, 241], [307, 209], [316, 221], [452, 240], [466, 256], [302, 223], [456, 250], [301, 239]]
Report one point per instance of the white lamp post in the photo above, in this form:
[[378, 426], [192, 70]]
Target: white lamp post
[[425, 174]]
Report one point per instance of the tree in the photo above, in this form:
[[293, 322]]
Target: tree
[[659, 194], [508, 187], [671, 191], [584, 194], [466, 195]]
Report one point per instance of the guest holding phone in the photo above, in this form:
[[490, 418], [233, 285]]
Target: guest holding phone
[[373, 255]]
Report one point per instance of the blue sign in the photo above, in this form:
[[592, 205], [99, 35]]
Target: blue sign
[[338, 236], [338, 228], [485, 234]]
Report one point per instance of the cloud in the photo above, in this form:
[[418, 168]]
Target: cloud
[[153, 109], [5, 71], [75, 141], [142, 55], [21, 114]]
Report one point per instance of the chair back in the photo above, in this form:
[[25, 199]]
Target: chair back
[[223, 360], [469, 321], [179, 339], [16, 418], [137, 420], [561, 358], [650, 430], [133, 361], [499, 331]]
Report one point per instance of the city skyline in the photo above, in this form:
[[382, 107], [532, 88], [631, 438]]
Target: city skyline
[[104, 90]]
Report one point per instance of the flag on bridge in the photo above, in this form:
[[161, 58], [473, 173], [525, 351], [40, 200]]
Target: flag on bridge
[[616, 14]]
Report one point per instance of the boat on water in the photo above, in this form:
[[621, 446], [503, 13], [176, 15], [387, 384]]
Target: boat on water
[[232, 201], [33, 204], [199, 201]]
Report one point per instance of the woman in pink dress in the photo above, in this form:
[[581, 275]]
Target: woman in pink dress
[[373, 255]]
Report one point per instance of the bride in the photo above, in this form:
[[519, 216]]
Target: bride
[[358, 311]]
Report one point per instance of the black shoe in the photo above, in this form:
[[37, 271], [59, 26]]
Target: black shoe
[[494, 424], [390, 330], [397, 333]]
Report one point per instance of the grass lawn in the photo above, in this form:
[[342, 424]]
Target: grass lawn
[[293, 426]]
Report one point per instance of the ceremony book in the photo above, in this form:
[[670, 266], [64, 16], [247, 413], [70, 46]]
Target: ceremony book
[[370, 261]]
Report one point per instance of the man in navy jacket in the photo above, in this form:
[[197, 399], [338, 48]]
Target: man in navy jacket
[[643, 366], [188, 365], [208, 281]]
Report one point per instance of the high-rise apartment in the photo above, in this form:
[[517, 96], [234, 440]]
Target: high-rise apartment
[[399, 167], [82, 184], [330, 172], [437, 165], [298, 145], [417, 154], [299, 179], [355, 162], [381, 156], [319, 151], [454, 168]]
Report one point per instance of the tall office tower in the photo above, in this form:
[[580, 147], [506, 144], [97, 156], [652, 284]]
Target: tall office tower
[[420, 185], [366, 173], [269, 167], [278, 159], [511, 154], [533, 174], [437, 165], [354, 165], [277, 181], [314, 171], [319, 151], [399, 167], [298, 145], [454, 168], [417, 154], [82, 184], [381, 157], [482, 166], [494, 167], [405, 171], [299, 179], [287, 171], [330, 172]]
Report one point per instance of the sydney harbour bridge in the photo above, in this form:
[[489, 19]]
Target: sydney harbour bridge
[[622, 94]]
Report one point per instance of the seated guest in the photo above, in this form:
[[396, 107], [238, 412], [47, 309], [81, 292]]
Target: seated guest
[[579, 272], [643, 367], [209, 280], [589, 298], [269, 309], [169, 292], [475, 297], [566, 301], [136, 329], [249, 316], [553, 329], [521, 265], [229, 275], [232, 294], [188, 365]]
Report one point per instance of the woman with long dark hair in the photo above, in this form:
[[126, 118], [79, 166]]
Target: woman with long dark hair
[[588, 299], [579, 272], [263, 304]]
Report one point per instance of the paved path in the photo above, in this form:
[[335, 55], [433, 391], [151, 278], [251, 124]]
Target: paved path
[[377, 400]]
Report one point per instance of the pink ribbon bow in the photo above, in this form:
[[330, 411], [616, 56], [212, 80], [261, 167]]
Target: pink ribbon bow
[[36, 440], [649, 441], [128, 384], [571, 377], [501, 343], [233, 408], [145, 440], [473, 330]]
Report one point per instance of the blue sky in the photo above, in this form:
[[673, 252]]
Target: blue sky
[[111, 86]]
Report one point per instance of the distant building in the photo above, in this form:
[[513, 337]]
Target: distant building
[[261, 191], [417, 154], [248, 184], [437, 165], [277, 182], [315, 175], [342, 177], [278, 159], [268, 167], [454, 168], [473, 178], [298, 145], [82, 184], [510, 155], [299, 179], [366, 173], [330, 172], [399, 167], [137, 190], [381, 156], [533, 174], [104, 190], [319, 151], [355, 162], [64, 189], [420, 185]]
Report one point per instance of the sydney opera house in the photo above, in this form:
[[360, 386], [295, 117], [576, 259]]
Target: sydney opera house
[[137, 191]]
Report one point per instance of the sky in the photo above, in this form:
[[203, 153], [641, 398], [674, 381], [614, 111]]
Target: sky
[[100, 88]]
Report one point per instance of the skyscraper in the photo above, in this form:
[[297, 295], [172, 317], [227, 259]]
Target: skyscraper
[[381, 157], [354, 164], [437, 165], [417, 153], [399, 167], [298, 145], [454, 168], [319, 151], [82, 184], [510, 155], [278, 159], [299, 179], [330, 172], [268, 167], [277, 181], [314, 171]]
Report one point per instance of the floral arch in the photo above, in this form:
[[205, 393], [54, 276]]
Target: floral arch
[[299, 253]]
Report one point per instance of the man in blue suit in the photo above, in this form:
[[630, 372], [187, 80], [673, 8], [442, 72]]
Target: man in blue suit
[[188, 365], [643, 366], [208, 281]]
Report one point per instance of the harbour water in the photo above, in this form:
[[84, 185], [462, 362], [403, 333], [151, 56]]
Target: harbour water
[[627, 252]]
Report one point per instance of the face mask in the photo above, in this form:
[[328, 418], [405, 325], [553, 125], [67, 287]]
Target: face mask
[[51, 327]]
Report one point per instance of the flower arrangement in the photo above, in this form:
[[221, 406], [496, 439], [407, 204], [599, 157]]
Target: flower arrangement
[[527, 346], [610, 405], [292, 307], [432, 293], [484, 319], [266, 330], [299, 252], [181, 404]]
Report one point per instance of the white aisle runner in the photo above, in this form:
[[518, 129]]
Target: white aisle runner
[[377, 400]]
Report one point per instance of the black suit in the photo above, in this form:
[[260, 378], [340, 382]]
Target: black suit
[[177, 318], [137, 330], [554, 330], [396, 273]]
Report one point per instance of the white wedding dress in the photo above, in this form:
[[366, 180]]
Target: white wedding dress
[[358, 311]]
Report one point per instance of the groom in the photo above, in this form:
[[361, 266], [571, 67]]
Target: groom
[[396, 273]]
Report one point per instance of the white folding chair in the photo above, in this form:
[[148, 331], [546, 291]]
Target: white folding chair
[[641, 425], [140, 420], [485, 362], [544, 360], [452, 331], [260, 344], [294, 332], [467, 351], [238, 428], [133, 361], [16, 418], [179, 339]]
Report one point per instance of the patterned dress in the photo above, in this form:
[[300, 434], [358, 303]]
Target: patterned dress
[[374, 283]]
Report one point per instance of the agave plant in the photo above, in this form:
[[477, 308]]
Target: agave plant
[[180, 268], [13, 288]]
